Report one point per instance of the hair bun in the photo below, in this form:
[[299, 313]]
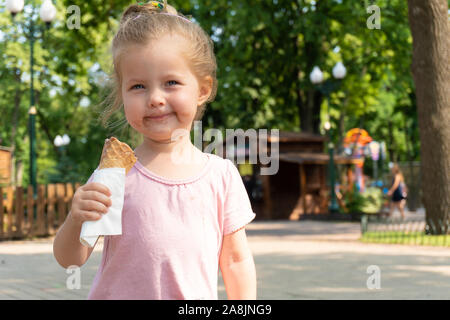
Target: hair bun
[[147, 8]]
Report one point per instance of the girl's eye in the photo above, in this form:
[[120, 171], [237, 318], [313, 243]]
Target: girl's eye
[[137, 85], [140, 85]]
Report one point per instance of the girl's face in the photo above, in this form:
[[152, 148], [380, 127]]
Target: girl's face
[[157, 80]]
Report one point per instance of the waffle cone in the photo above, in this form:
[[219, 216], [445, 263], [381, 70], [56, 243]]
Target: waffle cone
[[117, 154]]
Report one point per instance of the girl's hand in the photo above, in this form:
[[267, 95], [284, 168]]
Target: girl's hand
[[90, 202]]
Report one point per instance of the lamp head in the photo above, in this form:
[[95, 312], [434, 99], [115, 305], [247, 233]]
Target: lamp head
[[316, 75], [47, 11], [14, 6], [65, 139], [339, 71], [58, 141]]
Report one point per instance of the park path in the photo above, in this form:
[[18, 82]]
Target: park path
[[294, 260]]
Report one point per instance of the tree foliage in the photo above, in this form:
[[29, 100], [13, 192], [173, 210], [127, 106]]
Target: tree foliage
[[265, 50]]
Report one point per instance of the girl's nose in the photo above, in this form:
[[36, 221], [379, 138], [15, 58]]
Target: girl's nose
[[156, 98]]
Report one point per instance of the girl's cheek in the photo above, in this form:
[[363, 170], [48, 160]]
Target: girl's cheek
[[131, 117], [183, 105]]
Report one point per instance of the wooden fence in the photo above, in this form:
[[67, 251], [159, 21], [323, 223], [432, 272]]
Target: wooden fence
[[23, 216]]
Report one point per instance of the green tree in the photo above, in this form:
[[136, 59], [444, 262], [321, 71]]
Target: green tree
[[430, 27], [265, 50]]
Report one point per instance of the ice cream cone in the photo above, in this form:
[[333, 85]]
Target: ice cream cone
[[117, 154]]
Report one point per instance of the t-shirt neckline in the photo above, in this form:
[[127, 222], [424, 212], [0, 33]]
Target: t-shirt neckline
[[159, 178]]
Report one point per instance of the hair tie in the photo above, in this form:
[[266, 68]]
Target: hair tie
[[160, 6], [156, 4]]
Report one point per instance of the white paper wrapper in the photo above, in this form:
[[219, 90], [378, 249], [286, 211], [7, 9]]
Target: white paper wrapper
[[111, 222]]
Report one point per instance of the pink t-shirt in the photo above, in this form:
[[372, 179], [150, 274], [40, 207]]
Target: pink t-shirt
[[172, 233]]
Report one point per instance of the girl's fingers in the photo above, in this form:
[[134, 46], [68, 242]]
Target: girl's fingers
[[91, 216], [95, 206], [97, 196], [83, 216], [99, 187]]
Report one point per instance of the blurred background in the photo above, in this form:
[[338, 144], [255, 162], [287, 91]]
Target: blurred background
[[336, 78]]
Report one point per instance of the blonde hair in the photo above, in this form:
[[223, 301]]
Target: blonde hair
[[141, 24]]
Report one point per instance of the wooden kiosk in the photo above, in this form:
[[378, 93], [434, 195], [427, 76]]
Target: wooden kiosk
[[300, 184]]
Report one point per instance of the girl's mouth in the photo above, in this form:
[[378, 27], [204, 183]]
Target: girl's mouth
[[159, 118]]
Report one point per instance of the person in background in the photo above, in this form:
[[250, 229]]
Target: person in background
[[397, 192]]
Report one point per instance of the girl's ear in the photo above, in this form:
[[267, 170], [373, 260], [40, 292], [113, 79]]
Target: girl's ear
[[205, 89]]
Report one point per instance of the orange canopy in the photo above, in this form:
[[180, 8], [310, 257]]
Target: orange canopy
[[357, 135]]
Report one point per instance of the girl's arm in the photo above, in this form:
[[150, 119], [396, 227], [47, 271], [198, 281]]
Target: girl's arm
[[67, 247], [237, 267], [88, 204], [395, 185]]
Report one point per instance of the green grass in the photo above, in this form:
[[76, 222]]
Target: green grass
[[399, 237]]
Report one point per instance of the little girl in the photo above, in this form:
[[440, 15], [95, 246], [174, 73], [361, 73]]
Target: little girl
[[183, 218]]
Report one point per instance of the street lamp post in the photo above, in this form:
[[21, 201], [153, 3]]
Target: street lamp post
[[316, 78], [47, 14]]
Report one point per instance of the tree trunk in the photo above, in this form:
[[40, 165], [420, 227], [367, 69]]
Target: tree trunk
[[310, 112], [430, 67], [310, 98], [412, 200]]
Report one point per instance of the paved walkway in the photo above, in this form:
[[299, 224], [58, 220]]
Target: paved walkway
[[294, 260]]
